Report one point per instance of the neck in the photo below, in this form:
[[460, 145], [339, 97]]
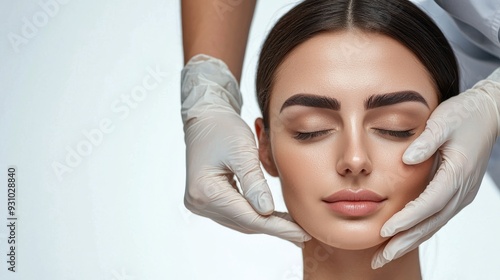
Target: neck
[[325, 262]]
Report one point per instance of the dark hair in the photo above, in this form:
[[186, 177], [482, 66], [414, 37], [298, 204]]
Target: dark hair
[[398, 19]]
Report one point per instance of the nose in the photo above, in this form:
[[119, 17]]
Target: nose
[[354, 156]]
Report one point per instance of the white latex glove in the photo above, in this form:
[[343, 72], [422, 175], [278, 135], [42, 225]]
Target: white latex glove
[[464, 128], [219, 145]]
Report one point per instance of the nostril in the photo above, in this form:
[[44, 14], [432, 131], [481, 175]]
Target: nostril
[[345, 168]]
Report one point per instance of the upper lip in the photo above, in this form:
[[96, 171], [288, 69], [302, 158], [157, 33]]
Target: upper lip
[[354, 195]]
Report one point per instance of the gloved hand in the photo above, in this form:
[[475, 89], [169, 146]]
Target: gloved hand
[[464, 128], [219, 145]]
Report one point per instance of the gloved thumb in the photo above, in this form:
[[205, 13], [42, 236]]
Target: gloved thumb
[[255, 189], [437, 131], [245, 165]]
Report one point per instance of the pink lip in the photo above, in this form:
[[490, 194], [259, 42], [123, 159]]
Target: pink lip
[[354, 203]]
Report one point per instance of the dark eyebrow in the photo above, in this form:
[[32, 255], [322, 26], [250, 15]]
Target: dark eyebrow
[[312, 100], [392, 98]]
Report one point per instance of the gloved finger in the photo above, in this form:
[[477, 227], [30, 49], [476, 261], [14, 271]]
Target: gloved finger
[[246, 166], [286, 216], [406, 241], [383, 255], [221, 202], [250, 222], [289, 237], [437, 131], [249, 230], [283, 215], [412, 238], [439, 193]]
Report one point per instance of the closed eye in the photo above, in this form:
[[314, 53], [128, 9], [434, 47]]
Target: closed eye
[[397, 133], [304, 136]]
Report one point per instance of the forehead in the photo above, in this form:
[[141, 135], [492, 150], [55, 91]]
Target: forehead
[[351, 65]]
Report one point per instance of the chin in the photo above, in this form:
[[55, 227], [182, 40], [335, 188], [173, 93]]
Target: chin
[[351, 237]]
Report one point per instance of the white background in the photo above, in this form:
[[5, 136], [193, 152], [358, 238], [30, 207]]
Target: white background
[[117, 211]]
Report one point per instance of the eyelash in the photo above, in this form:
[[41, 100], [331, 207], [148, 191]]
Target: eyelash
[[303, 136], [397, 133]]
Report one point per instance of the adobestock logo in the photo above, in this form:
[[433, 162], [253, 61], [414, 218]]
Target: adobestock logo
[[31, 26], [121, 108], [123, 275]]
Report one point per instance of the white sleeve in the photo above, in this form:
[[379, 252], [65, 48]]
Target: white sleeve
[[476, 16]]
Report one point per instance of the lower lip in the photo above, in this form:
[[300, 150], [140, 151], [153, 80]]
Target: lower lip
[[355, 208]]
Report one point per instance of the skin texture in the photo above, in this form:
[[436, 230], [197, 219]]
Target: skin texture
[[355, 150]]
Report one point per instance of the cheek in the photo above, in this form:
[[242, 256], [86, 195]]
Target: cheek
[[302, 171], [421, 176], [409, 181]]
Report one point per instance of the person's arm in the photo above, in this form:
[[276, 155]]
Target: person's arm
[[219, 144], [218, 28]]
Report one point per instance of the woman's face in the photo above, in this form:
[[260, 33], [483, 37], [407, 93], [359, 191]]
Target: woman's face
[[343, 108]]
